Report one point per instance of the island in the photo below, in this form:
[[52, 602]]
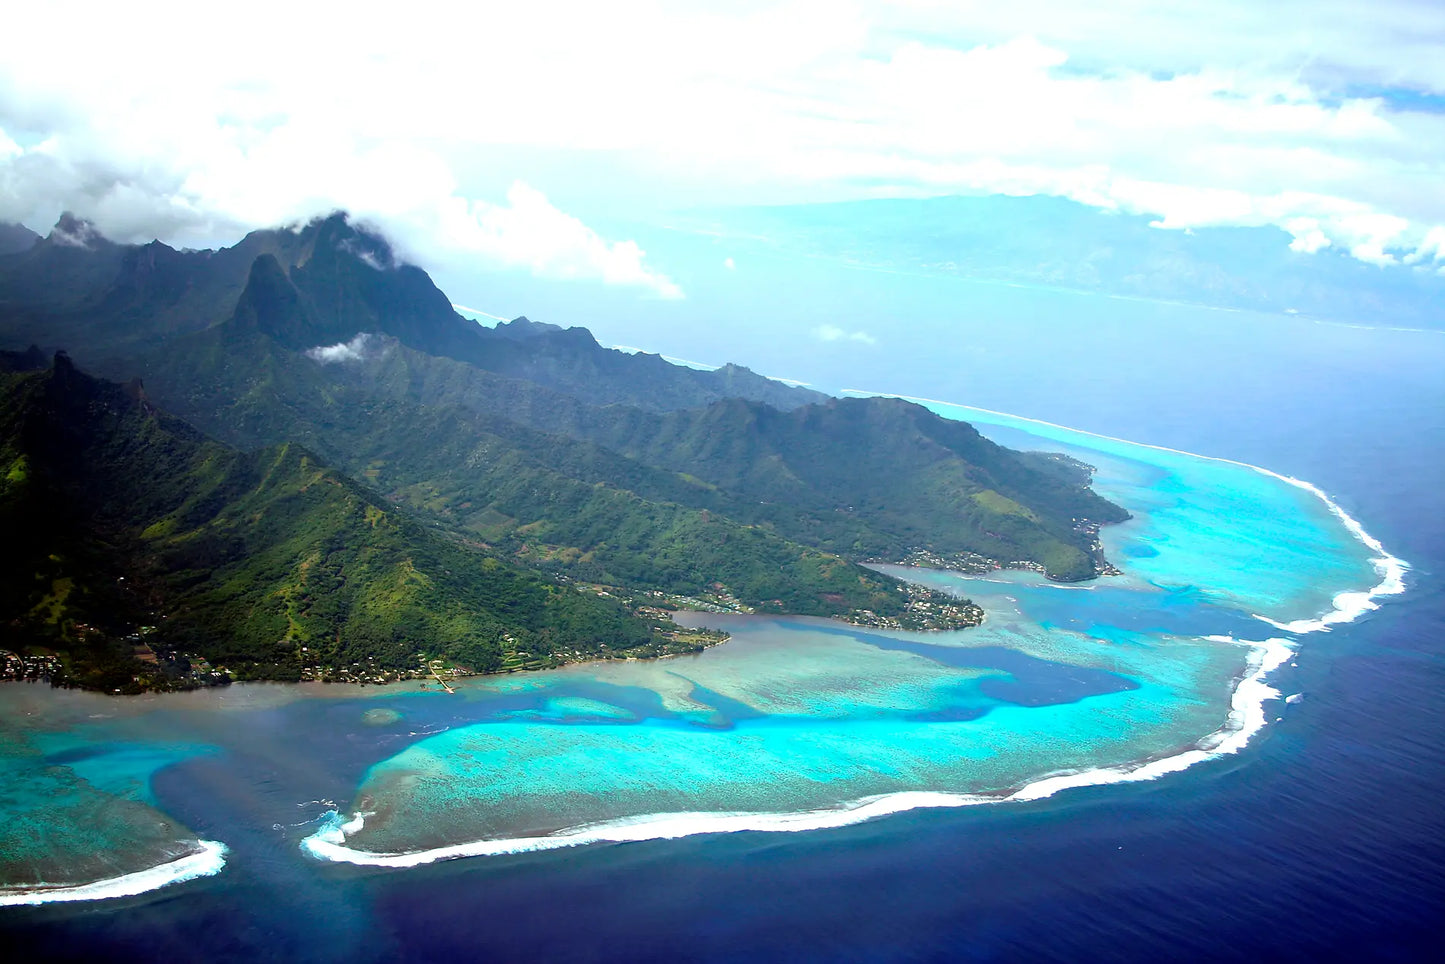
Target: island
[[292, 460]]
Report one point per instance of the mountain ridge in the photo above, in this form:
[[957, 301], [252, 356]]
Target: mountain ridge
[[107, 304], [527, 445], [267, 562]]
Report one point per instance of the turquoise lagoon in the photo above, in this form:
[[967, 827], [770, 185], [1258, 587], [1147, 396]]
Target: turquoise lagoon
[[793, 724], [79, 819], [797, 724]]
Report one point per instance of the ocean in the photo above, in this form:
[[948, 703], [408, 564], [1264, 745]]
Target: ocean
[[1322, 838]]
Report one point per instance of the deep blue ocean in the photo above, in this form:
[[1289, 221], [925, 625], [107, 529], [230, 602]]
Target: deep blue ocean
[[1323, 840]]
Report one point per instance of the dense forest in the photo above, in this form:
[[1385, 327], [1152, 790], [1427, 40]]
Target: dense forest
[[130, 532], [328, 472]]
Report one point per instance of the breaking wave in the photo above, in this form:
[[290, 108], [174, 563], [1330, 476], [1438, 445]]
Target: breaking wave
[[207, 861], [1246, 718]]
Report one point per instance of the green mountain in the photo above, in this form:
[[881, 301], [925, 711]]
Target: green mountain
[[527, 446], [865, 478], [571, 508], [129, 531], [109, 304]]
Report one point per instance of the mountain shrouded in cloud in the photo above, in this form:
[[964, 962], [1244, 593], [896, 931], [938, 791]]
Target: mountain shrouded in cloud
[[363, 442]]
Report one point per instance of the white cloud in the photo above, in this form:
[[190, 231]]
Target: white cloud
[[1433, 247], [730, 264], [528, 231], [1224, 113], [1307, 235], [1372, 234], [834, 333], [78, 235], [355, 350]]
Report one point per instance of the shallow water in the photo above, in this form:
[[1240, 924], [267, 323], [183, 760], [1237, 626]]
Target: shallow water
[[794, 724], [834, 720]]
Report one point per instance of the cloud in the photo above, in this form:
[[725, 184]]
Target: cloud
[[834, 333], [528, 231], [355, 350], [375, 257], [1307, 235], [1319, 113], [1432, 248], [730, 264]]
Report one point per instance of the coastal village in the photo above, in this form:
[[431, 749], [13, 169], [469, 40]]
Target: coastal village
[[162, 669]]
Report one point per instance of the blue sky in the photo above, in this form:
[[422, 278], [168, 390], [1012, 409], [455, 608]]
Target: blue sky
[[512, 146]]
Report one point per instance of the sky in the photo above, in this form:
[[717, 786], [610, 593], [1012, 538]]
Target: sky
[[1168, 221], [498, 138]]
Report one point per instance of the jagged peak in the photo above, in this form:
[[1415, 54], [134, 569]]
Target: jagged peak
[[269, 302], [31, 359], [340, 232], [577, 336], [16, 238], [266, 271], [75, 232], [523, 327]]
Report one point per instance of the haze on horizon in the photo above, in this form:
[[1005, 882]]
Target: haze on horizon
[[484, 131], [697, 182]]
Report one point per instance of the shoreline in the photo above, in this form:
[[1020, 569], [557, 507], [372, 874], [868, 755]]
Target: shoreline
[[1348, 605], [1246, 718], [207, 861]]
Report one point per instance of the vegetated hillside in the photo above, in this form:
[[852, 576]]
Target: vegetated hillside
[[868, 477], [864, 478], [129, 531], [567, 507], [534, 446]]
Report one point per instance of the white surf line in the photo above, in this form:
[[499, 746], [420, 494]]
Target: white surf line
[[478, 311], [1346, 324], [1348, 606], [670, 359], [206, 862], [686, 363], [1246, 718]]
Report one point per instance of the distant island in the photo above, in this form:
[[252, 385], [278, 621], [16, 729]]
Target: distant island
[[292, 460]]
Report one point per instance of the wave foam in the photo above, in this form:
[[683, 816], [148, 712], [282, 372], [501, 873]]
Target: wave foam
[[205, 862], [1246, 718], [1348, 606]]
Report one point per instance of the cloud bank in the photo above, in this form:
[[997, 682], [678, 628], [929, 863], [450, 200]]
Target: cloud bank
[[452, 129]]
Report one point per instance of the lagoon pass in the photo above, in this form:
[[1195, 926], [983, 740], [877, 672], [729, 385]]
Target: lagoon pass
[[794, 724]]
